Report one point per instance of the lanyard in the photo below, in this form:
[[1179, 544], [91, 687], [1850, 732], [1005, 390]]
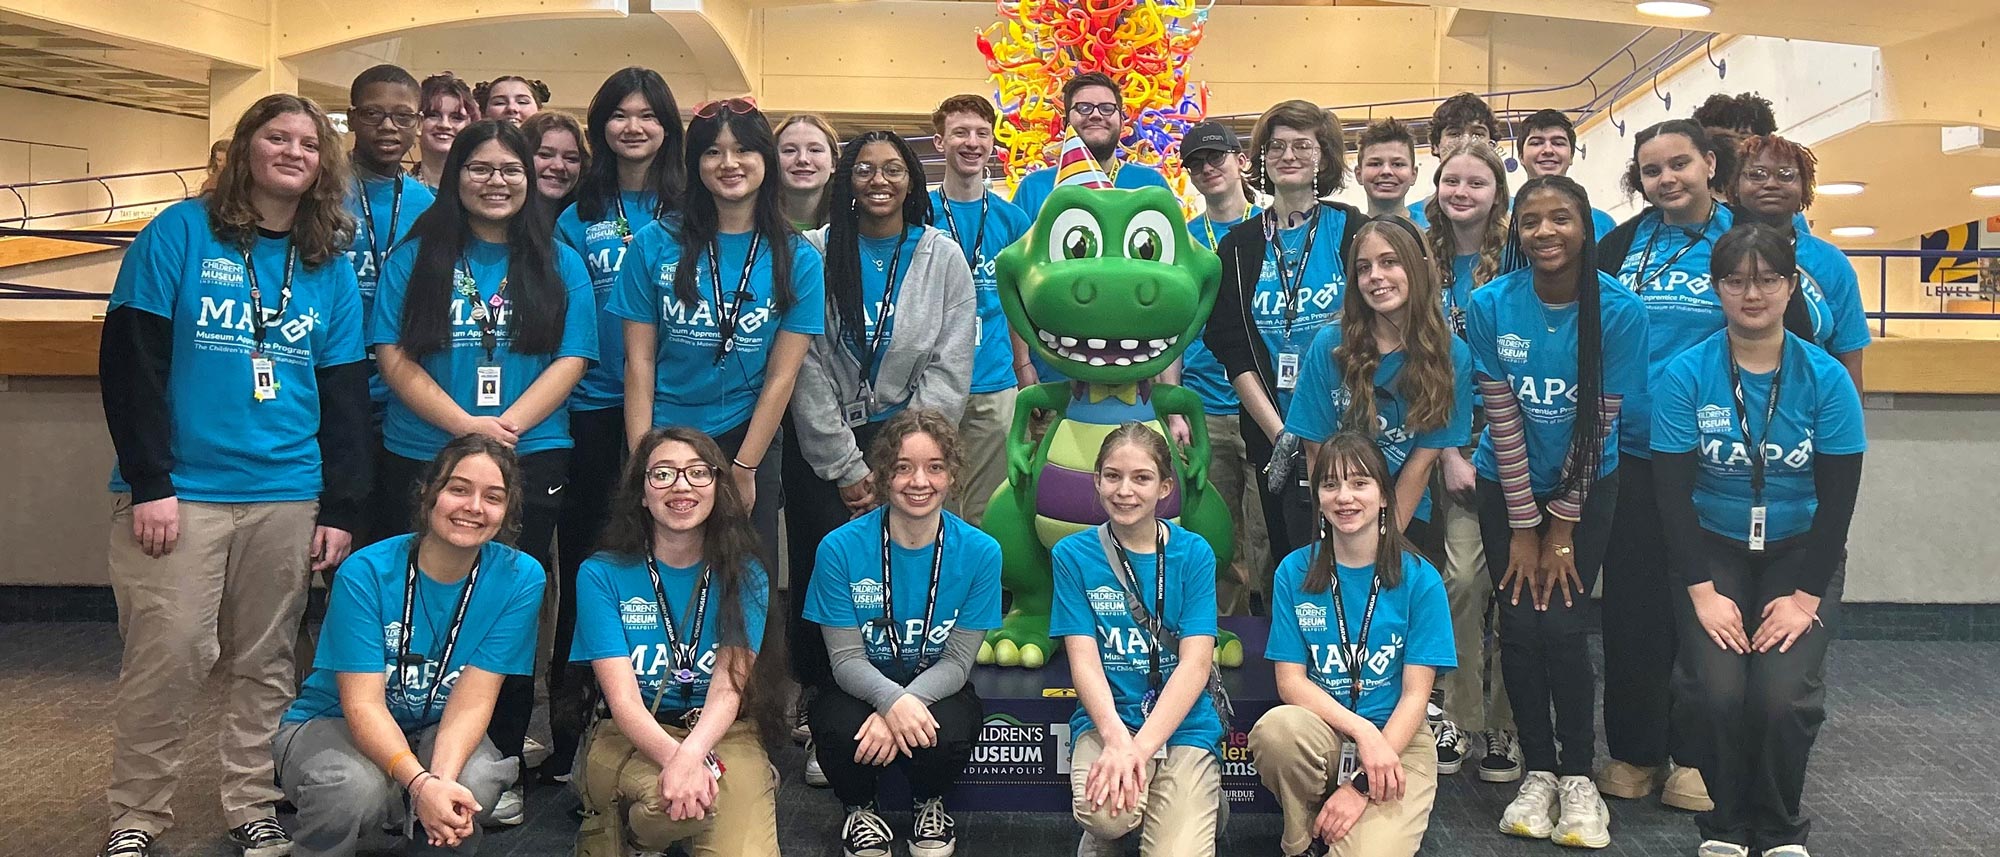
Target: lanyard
[[258, 326], [890, 288], [1130, 582], [368, 216], [1288, 285], [728, 318], [488, 318], [685, 656], [1208, 225], [624, 225], [403, 656], [930, 602], [1351, 654], [977, 252], [1756, 452], [1694, 241]]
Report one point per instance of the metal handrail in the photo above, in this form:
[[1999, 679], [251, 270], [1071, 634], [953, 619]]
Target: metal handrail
[[103, 181], [1883, 316]]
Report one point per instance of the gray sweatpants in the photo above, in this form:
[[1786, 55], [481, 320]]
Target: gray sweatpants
[[345, 801]]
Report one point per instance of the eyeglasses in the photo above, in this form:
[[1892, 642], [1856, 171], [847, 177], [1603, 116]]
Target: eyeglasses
[[365, 116], [509, 173], [1095, 108], [664, 476], [712, 109], [1767, 284], [1281, 148], [1201, 161], [1784, 175], [894, 171]]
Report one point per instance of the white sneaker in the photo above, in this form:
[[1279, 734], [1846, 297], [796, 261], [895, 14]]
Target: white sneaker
[[1091, 846], [1719, 848], [865, 834], [1787, 851], [1586, 821], [512, 807], [533, 752], [1532, 814], [814, 776]]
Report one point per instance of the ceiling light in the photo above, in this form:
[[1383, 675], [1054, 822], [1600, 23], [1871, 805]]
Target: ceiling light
[[1853, 231], [1839, 188], [1987, 191], [1675, 8]]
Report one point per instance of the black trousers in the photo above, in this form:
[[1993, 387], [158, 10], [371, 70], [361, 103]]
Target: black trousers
[[813, 509], [1428, 536], [1290, 518], [544, 477], [1751, 719], [1640, 603], [595, 465], [834, 718], [1545, 654]]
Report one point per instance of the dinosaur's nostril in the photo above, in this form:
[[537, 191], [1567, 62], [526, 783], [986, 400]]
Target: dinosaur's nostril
[[1084, 291], [1147, 292]]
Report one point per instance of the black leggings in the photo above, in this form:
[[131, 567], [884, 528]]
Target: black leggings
[[595, 464], [814, 510], [1751, 719], [1545, 654], [835, 717], [1640, 601]]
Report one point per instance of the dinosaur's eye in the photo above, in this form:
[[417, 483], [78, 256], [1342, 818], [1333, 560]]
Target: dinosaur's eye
[[1149, 237], [1077, 236]]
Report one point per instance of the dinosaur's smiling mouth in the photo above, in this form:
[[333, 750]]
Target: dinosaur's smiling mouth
[[1106, 352]]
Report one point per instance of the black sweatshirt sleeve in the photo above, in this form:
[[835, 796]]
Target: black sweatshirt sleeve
[[346, 460], [134, 355], [1836, 482], [1225, 333], [1616, 245], [1673, 486]]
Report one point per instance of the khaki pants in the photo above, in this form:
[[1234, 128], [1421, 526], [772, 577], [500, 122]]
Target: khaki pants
[[1298, 757], [982, 432], [235, 584], [1179, 811], [620, 787], [1229, 468], [1469, 700]]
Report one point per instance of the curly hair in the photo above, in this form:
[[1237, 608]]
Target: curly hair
[[888, 446], [438, 475], [1458, 111], [322, 229], [1340, 456], [1746, 113], [1426, 381], [1723, 153], [1309, 118], [1781, 149], [1493, 241]]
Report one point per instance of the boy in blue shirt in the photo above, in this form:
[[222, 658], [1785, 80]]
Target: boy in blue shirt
[[385, 200]]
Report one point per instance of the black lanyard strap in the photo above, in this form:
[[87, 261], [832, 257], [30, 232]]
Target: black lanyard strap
[[890, 289], [1130, 583], [1756, 452], [978, 247], [728, 317], [487, 317], [1694, 240], [259, 326], [1353, 655], [889, 627], [368, 217], [1288, 285], [685, 656], [404, 658]]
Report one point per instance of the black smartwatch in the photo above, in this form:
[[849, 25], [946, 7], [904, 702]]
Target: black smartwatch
[[1359, 782]]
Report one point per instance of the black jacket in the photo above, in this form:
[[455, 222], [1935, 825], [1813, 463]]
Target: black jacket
[[1231, 332]]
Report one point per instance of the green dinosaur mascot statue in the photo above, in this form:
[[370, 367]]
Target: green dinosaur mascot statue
[[1108, 288]]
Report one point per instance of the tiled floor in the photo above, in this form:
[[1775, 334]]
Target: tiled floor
[[1899, 770]]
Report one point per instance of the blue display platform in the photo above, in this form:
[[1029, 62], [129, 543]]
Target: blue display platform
[[1021, 763]]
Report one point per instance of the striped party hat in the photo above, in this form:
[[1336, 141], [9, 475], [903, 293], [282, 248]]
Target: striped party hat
[[1075, 166]]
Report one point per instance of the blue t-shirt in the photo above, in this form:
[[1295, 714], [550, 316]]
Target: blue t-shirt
[[1600, 222], [375, 236], [455, 367], [1090, 602], [1833, 296], [846, 589], [878, 255], [1321, 401], [1318, 281], [1417, 215], [364, 625], [1001, 225], [1517, 338], [1412, 627], [695, 389], [227, 446], [603, 246], [1694, 409], [1035, 187], [1668, 267], [1459, 296], [618, 616], [1200, 371]]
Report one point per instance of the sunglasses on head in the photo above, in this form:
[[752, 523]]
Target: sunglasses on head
[[712, 109]]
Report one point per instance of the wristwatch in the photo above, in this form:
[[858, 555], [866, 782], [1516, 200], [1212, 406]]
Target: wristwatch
[[1359, 782], [1565, 550]]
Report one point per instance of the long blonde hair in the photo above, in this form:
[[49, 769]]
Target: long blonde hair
[[1444, 245], [322, 229], [1425, 383]]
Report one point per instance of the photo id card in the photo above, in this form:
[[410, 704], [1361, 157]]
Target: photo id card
[[1350, 762], [1288, 369], [1757, 521], [855, 414], [489, 387], [263, 379]]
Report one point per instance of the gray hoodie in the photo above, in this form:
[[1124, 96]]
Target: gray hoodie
[[927, 362]]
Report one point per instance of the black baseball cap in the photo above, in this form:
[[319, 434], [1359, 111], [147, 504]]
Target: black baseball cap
[[1209, 137]]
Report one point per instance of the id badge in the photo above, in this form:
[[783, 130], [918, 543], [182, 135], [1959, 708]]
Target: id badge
[[489, 387], [714, 764], [1757, 517], [263, 379], [855, 414], [1288, 369], [1350, 762]]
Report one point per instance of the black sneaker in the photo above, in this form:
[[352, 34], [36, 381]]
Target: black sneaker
[[865, 834], [262, 838], [1502, 763], [1451, 746], [1316, 849], [128, 842], [932, 832]]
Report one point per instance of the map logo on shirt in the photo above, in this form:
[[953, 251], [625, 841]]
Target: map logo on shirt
[[1713, 418], [1513, 348], [639, 614], [866, 593], [1107, 601], [1312, 617], [1322, 299]]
